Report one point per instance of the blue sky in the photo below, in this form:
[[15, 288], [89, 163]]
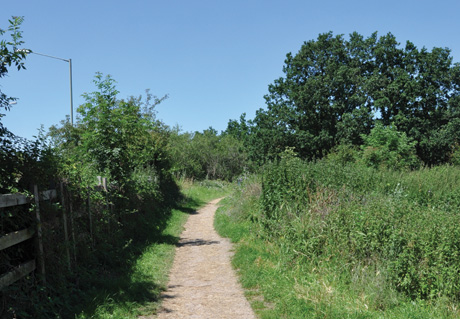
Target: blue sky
[[215, 59]]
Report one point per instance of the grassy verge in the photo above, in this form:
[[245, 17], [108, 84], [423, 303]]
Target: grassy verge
[[283, 279], [134, 290]]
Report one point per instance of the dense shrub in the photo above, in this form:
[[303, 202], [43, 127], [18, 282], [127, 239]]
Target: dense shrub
[[406, 223], [206, 155], [387, 147]]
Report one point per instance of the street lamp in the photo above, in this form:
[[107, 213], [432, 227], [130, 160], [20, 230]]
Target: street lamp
[[70, 73]]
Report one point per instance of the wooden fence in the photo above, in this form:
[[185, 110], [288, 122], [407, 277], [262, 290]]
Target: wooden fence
[[35, 232], [14, 238]]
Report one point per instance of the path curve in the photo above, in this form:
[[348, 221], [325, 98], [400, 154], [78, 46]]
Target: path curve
[[202, 283]]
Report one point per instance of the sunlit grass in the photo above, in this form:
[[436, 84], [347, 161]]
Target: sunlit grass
[[281, 281]]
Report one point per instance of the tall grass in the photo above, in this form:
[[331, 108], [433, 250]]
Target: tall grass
[[322, 239]]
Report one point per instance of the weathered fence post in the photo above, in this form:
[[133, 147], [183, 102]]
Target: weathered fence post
[[107, 201], [41, 255], [104, 183], [72, 228], [90, 216], [64, 220]]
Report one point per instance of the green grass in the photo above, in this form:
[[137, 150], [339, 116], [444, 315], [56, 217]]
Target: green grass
[[286, 276], [135, 290], [201, 192]]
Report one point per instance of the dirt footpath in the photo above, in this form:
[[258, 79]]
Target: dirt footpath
[[202, 282]]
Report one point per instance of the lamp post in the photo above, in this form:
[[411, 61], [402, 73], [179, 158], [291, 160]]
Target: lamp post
[[70, 76]]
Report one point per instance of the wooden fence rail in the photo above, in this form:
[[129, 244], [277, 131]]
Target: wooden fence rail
[[17, 237], [14, 238], [9, 200]]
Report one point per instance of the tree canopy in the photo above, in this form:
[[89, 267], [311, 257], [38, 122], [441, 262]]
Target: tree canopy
[[335, 90], [10, 56]]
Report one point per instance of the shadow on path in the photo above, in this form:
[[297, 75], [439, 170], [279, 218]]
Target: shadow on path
[[197, 242]]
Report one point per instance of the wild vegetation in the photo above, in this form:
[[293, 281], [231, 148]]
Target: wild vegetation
[[325, 239], [207, 155]]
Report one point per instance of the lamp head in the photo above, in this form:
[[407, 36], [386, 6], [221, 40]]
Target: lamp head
[[24, 51]]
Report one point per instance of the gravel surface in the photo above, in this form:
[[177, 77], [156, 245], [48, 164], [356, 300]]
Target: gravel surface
[[202, 283]]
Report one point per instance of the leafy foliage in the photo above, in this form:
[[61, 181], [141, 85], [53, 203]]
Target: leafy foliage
[[207, 155], [387, 147], [339, 239], [121, 140], [334, 90], [10, 56], [369, 217], [305, 265]]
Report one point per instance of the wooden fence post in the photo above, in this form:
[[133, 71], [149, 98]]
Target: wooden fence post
[[64, 220], [104, 183], [107, 201], [90, 216], [72, 228], [41, 255]]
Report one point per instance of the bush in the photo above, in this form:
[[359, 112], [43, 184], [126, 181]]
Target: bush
[[455, 155], [406, 223], [344, 154], [386, 147], [206, 155]]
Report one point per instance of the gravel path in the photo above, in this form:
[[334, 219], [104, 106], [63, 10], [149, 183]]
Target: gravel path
[[202, 283]]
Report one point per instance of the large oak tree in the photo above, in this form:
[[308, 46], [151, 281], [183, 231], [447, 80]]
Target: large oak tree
[[334, 90]]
